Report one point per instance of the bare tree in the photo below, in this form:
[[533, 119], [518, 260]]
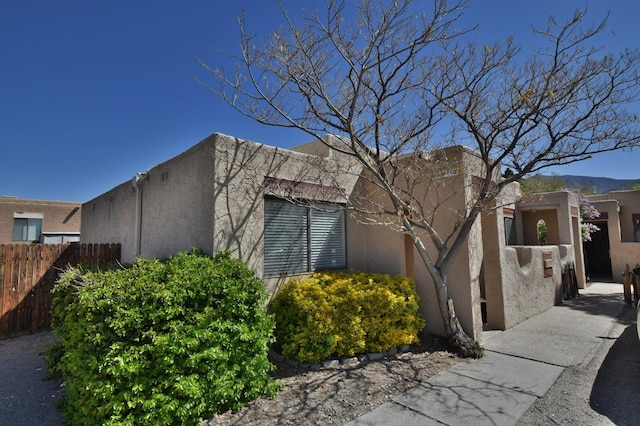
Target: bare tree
[[394, 83]]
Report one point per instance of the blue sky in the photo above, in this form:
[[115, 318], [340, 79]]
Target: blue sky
[[92, 92]]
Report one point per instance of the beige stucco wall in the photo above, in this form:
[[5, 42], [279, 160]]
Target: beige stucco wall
[[526, 291], [240, 170], [58, 216], [494, 261], [381, 248], [565, 230], [373, 244], [375, 248], [110, 218], [169, 210], [177, 203], [555, 209], [561, 212], [530, 221], [628, 204], [515, 285], [619, 207], [210, 197]]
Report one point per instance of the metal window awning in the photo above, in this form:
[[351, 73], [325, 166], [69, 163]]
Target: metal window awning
[[284, 188]]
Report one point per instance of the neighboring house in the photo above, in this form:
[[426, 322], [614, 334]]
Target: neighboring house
[[36, 221], [282, 213], [617, 244]]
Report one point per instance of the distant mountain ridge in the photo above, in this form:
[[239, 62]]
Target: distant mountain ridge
[[600, 185]]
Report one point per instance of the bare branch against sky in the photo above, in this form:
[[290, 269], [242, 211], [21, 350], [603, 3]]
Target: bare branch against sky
[[402, 87]]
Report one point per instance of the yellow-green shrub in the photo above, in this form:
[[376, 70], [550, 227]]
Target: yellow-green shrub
[[344, 314]]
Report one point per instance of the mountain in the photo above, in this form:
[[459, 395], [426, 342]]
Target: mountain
[[600, 185]]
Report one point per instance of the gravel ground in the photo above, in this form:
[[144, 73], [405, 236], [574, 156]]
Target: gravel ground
[[26, 398], [308, 397], [603, 390], [337, 396]]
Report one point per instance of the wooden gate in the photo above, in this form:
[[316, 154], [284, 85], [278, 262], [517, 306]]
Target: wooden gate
[[28, 272], [569, 281]]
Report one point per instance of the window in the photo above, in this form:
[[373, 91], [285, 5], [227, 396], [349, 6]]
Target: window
[[27, 226], [509, 227], [301, 239], [510, 231]]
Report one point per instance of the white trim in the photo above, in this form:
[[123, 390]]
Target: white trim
[[24, 215]]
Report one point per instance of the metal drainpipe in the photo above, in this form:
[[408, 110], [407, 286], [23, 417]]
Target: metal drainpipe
[[137, 182]]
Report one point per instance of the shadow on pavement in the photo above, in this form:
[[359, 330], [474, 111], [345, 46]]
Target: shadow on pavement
[[597, 304], [616, 390]]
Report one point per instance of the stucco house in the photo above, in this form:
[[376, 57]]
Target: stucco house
[[617, 243], [529, 269], [283, 214], [29, 221]]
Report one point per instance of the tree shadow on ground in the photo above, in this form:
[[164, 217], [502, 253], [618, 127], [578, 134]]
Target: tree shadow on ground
[[616, 390], [598, 304], [429, 343], [334, 395]]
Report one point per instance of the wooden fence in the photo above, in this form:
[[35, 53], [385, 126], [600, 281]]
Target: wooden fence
[[28, 272], [569, 281]]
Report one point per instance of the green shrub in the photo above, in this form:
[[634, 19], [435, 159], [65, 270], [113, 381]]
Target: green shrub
[[162, 342], [343, 314]]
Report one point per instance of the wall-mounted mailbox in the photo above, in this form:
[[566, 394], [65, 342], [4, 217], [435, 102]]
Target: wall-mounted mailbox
[[547, 259]]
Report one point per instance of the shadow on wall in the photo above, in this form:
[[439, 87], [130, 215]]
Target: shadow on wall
[[266, 207]]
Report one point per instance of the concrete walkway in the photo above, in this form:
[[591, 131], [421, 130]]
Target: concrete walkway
[[519, 366]]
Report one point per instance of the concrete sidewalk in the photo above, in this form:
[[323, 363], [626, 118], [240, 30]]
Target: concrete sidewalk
[[519, 366]]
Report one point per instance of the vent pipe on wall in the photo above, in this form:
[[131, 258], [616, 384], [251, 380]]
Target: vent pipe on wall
[[136, 182], [138, 179]]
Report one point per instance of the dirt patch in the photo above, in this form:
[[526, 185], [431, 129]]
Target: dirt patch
[[339, 395]]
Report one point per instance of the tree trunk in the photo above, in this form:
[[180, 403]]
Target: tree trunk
[[465, 345], [458, 338]]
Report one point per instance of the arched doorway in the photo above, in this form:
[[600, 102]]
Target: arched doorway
[[541, 228]]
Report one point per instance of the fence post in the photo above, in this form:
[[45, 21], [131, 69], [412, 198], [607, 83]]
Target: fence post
[[636, 285], [626, 285]]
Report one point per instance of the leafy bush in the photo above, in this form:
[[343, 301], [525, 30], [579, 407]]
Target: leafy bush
[[343, 314], [162, 342]]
